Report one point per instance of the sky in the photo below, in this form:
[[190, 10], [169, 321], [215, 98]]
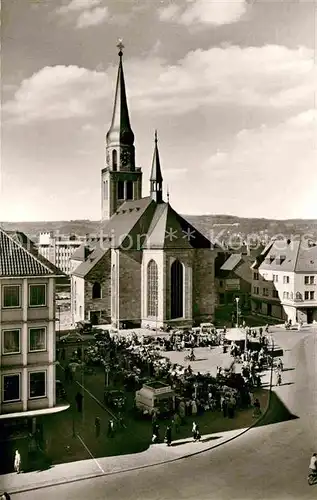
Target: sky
[[229, 85]]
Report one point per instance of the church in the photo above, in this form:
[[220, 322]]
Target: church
[[148, 267]]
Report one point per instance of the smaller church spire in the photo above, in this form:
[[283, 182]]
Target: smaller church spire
[[168, 194], [156, 179]]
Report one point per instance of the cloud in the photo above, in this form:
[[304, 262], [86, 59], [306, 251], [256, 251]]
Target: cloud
[[257, 77], [279, 163], [169, 13], [92, 17], [77, 5], [204, 12], [57, 92]]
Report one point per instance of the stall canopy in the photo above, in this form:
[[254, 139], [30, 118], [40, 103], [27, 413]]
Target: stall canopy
[[235, 334]]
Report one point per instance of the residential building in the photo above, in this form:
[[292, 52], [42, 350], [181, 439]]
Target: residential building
[[27, 328], [234, 280], [153, 268], [284, 282]]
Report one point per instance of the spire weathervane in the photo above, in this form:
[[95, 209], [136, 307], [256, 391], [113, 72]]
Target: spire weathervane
[[155, 135], [120, 46]]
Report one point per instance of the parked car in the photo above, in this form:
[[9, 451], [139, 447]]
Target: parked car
[[114, 399], [71, 338], [101, 334], [84, 326]]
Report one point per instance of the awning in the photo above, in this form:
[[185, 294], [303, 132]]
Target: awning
[[35, 413]]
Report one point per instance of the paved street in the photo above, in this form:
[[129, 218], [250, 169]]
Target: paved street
[[268, 462]]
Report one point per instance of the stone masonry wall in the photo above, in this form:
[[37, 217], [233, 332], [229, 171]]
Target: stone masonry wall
[[130, 286], [204, 294]]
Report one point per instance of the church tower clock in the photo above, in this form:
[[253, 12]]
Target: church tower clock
[[120, 179]]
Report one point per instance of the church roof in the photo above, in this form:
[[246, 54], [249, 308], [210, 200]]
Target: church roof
[[143, 224], [81, 253], [85, 267], [18, 257], [169, 230]]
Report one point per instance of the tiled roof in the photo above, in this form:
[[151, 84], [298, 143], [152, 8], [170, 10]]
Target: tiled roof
[[17, 260], [85, 267], [291, 256]]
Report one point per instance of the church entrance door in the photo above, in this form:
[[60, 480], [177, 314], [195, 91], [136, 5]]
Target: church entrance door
[[177, 289]]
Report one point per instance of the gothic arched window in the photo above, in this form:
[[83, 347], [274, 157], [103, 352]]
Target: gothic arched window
[[114, 159], [120, 190], [152, 289], [177, 288], [96, 290], [129, 190]]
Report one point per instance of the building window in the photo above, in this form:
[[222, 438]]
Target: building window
[[11, 388], [311, 295], [37, 295], [114, 159], [11, 341], [265, 292], [37, 385], [256, 276], [96, 290], [120, 190], [256, 290], [306, 295], [309, 280], [11, 296], [37, 339], [286, 280], [275, 278], [177, 288], [275, 294], [152, 289], [129, 190]]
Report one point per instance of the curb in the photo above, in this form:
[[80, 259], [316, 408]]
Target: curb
[[48, 484]]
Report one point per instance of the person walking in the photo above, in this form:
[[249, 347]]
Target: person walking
[[17, 462], [278, 379], [97, 426], [110, 429], [156, 435], [168, 435]]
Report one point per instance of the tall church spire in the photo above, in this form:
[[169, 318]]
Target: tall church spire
[[120, 180], [156, 179], [120, 132]]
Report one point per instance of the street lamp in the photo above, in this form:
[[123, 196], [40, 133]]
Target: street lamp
[[237, 301]]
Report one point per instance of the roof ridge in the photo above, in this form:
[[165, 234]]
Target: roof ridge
[[28, 252]]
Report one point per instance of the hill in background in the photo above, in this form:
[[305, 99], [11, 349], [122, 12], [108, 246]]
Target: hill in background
[[220, 227]]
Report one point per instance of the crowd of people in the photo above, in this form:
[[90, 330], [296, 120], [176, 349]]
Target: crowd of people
[[133, 360]]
